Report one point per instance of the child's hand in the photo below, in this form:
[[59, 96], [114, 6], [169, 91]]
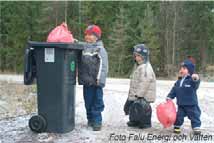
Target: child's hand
[[75, 40], [195, 77], [168, 98], [97, 81]]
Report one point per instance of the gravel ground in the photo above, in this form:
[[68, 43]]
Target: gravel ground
[[14, 126]]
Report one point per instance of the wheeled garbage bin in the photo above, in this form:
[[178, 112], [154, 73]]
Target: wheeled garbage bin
[[54, 67]]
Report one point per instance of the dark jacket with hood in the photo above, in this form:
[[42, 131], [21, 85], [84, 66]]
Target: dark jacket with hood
[[93, 65], [185, 89], [186, 92]]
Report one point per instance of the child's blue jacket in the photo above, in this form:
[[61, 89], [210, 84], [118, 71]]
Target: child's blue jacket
[[186, 94]]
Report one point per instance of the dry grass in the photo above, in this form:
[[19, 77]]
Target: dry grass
[[18, 99]]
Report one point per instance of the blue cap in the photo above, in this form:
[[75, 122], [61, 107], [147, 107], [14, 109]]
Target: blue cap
[[189, 65], [142, 50]]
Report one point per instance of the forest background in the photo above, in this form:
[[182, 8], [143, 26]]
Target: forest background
[[171, 30]]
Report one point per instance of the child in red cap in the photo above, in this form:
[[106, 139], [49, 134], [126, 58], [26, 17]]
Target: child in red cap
[[93, 71]]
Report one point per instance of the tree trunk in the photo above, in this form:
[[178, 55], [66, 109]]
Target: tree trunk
[[162, 38], [203, 54], [174, 34]]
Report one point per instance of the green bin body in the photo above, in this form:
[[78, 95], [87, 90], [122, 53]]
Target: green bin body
[[55, 68]]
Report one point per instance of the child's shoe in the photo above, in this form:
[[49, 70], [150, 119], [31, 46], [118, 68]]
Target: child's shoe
[[196, 131], [132, 124], [145, 126], [177, 130], [97, 127], [90, 123]]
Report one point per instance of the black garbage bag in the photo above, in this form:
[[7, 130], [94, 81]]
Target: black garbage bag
[[140, 111]]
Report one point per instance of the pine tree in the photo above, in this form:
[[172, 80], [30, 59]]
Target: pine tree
[[119, 55], [148, 34]]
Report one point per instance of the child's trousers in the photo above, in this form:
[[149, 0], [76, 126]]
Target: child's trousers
[[193, 112], [93, 96]]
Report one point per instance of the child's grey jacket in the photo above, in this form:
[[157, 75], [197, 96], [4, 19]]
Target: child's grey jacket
[[93, 66], [143, 83]]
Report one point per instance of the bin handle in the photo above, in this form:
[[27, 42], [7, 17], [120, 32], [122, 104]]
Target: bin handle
[[30, 66]]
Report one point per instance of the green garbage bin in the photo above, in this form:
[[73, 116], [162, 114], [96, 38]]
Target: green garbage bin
[[54, 67]]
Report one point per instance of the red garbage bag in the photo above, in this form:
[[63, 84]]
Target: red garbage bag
[[60, 34], [166, 113]]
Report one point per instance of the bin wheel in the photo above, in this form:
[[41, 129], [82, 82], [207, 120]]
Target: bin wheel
[[37, 123]]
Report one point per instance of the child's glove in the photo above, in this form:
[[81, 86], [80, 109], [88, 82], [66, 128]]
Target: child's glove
[[127, 106], [168, 98], [76, 40], [97, 82], [195, 77]]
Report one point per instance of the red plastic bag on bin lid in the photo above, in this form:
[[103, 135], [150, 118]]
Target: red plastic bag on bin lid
[[166, 113], [60, 34]]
